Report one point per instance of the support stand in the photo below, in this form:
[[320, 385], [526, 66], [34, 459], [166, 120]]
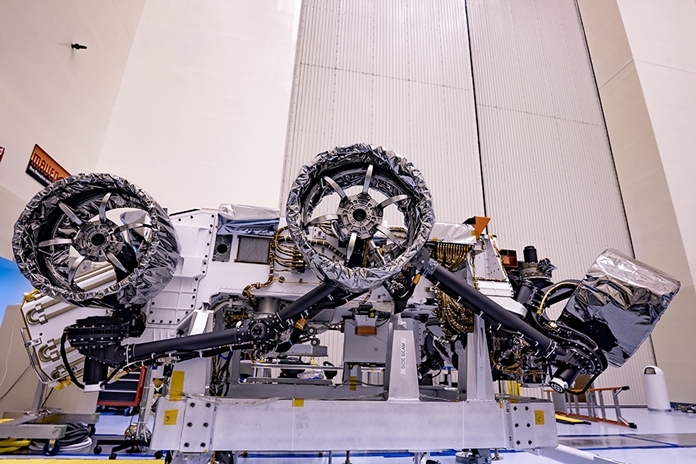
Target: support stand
[[141, 437], [42, 424]]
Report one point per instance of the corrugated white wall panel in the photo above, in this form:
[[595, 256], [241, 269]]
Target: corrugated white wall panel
[[397, 74], [390, 73], [547, 167]]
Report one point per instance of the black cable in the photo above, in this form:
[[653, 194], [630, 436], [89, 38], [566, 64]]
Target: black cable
[[74, 434], [68, 367], [14, 383], [113, 374], [47, 397], [476, 114]]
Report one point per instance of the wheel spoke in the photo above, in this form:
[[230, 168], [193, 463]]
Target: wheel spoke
[[67, 231], [131, 226], [56, 241], [368, 178], [74, 267], [337, 188], [114, 260], [392, 200], [389, 235], [376, 250], [351, 246], [320, 219], [70, 213], [102, 207]]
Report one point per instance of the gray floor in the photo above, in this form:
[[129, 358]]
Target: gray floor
[[663, 437]]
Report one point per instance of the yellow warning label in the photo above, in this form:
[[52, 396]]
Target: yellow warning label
[[297, 402], [538, 417], [176, 386], [353, 382], [170, 416]]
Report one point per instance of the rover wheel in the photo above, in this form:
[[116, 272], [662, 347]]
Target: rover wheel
[[91, 221], [364, 181]]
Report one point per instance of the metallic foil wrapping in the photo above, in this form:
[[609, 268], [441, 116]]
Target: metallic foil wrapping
[[618, 304], [157, 258], [247, 220], [453, 233], [302, 199]]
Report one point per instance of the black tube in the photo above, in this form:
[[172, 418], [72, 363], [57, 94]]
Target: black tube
[[562, 293], [564, 377], [530, 254], [227, 337], [305, 302], [94, 372], [66, 363], [478, 302], [198, 342], [524, 293]]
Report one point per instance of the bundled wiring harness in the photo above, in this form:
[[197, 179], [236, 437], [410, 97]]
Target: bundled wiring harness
[[77, 437]]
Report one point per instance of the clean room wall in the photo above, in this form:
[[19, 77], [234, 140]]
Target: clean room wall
[[52, 95], [548, 171], [390, 73], [643, 54], [202, 112]]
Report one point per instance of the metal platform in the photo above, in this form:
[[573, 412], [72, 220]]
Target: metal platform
[[207, 423]]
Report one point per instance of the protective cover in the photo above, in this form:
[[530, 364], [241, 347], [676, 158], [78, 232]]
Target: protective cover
[[248, 220], [157, 260], [618, 304], [453, 233], [359, 279]]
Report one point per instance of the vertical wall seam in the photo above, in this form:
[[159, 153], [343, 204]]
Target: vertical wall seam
[[606, 132], [292, 111], [476, 115]]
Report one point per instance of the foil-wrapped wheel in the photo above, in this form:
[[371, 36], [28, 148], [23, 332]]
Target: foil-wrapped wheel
[[366, 180], [95, 220]]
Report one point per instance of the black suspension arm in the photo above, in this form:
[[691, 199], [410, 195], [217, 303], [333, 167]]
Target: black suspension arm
[[204, 341], [306, 301], [471, 298], [258, 331], [567, 360]]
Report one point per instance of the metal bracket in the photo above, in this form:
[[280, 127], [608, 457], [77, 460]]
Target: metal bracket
[[196, 433], [477, 365], [569, 455], [401, 376]]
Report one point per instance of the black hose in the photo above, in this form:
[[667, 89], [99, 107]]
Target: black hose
[[229, 337], [68, 368], [204, 341], [306, 301], [75, 433], [470, 297]]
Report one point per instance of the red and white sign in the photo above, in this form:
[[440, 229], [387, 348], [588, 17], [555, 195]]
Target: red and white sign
[[43, 168]]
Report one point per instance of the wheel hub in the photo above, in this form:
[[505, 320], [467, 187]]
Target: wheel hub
[[360, 214], [95, 239]]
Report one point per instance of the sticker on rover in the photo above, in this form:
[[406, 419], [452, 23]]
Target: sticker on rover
[[538, 417], [176, 386], [170, 416]]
